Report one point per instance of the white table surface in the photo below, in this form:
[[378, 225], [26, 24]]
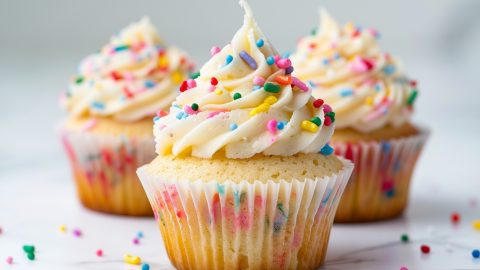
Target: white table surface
[[37, 193]]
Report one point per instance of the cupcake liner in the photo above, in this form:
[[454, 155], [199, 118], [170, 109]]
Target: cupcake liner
[[104, 169], [379, 185], [254, 225]]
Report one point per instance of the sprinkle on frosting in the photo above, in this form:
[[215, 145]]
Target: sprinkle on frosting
[[129, 78], [248, 103], [346, 67]]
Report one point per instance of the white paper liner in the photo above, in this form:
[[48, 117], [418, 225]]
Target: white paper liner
[[104, 168], [270, 225], [379, 186]]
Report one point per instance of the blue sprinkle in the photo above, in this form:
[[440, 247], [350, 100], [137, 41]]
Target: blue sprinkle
[[389, 70], [337, 56], [220, 189], [390, 193], [155, 119], [233, 126], [270, 60], [326, 150], [476, 253], [98, 105], [286, 55], [378, 87], [140, 234], [229, 59], [176, 106], [256, 87], [181, 115], [149, 84], [280, 125], [311, 84], [260, 43], [325, 61], [145, 266], [346, 92]]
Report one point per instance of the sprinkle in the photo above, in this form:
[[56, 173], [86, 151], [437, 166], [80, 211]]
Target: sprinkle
[[77, 232], [9, 260], [213, 81], [237, 96], [270, 60], [191, 83], [184, 86], [313, 32], [476, 224], [260, 43], [256, 87], [412, 97], [325, 61], [214, 50], [280, 125], [116, 76], [369, 101], [98, 105], [316, 120], [233, 126], [31, 256], [145, 266], [361, 65], [284, 63], [177, 77], [284, 79], [403, 268], [135, 260], [264, 107], [318, 103], [271, 88], [272, 126], [404, 238], [195, 75], [211, 88], [140, 234], [327, 150], [121, 48], [149, 84], [136, 241], [378, 87], [455, 217], [298, 83], [346, 92], [194, 106], [181, 115], [28, 248], [99, 253], [331, 115], [327, 121], [62, 228], [425, 249], [289, 70], [218, 92], [327, 108], [309, 126], [247, 58], [389, 69], [229, 59], [161, 113], [476, 253], [79, 79], [270, 100]]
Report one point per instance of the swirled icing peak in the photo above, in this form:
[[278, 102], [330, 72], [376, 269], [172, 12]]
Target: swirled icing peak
[[130, 78], [367, 88], [244, 102]]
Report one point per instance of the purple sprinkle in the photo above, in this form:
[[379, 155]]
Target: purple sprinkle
[[289, 70], [77, 232], [248, 59]]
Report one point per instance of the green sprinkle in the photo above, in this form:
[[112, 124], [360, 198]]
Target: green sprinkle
[[121, 48], [412, 97], [79, 79], [404, 238], [195, 75], [237, 96], [195, 106], [313, 32], [271, 88], [317, 121], [331, 115], [31, 256], [28, 248]]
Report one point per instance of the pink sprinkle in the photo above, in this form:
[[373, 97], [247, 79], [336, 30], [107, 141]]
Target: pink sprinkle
[[403, 268], [214, 50], [272, 126], [211, 88], [258, 80], [161, 113], [9, 260], [212, 114], [191, 83], [136, 241], [89, 125], [128, 76], [188, 109], [361, 65], [298, 83], [327, 108], [379, 111], [99, 253], [327, 121], [276, 58], [161, 127], [77, 232], [284, 63]]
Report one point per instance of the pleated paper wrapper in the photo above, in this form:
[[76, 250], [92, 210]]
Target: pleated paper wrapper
[[104, 169], [379, 186], [245, 225]]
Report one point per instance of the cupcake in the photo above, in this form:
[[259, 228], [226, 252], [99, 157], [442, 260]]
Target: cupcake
[[238, 183], [108, 132], [373, 101]]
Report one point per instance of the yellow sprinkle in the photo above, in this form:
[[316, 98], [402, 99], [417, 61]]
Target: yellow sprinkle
[[264, 107], [218, 92], [135, 260], [270, 100], [177, 77], [163, 62], [369, 101], [63, 228], [309, 126], [476, 224], [350, 26]]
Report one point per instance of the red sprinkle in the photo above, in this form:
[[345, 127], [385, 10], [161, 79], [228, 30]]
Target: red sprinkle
[[127, 92], [318, 103], [214, 81], [180, 213], [425, 249], [455, 217], [116, 76], [184, 86], [413, 83], [312, 46]]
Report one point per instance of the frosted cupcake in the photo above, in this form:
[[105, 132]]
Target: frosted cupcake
[[111, 102], [238, 183], [373, 101]]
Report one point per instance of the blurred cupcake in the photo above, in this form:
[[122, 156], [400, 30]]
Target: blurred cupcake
[[111, 103], [238, 183], [373, 102]]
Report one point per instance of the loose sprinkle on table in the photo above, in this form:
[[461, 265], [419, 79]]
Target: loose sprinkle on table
[[9, 260], [135, 260], [476, 253], [425, 249], [404, 238], [455, 217], [476, 224], [99, 252], [136, 241], [145, 266], [77, 232]]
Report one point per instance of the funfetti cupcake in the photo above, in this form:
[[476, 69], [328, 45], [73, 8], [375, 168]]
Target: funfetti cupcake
[[373, 101], [111, 103], [238, 183]]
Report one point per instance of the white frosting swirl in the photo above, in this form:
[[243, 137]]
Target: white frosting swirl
[[242, 127], [132, 77], [367, 88]]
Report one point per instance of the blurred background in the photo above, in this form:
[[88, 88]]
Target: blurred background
[[42, 43]]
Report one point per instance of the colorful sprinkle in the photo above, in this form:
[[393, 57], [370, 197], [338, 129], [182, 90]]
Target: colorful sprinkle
[[270, 100], [77, 232], [136, 241], [229, 59], [233, 126], [140, 234], [247, 58], [31, 256], [327, 150], [62, 228], [258, 80], [99, 252], [9, 260], [283, 79], [412, 97], [476, 224], [476, 253], [389, 69], [346, 92], [121, 48], [298, 83], [361, 65], [98, 105], [79, 79], [270, 60], [134, 260], [194, 106], [214, 50], [218, 92], [318, 103], [183, 86], [455, 217], [309, 126], [425, 249], [316, 120], [403, 268], [191, 83], [237, 96], [149, 84], [280, 125], [28, 248], [145, 266], [289, 70], [260, 43], [213, 81], [404, 238], [271, 88], [284, 63], [272, 126]]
